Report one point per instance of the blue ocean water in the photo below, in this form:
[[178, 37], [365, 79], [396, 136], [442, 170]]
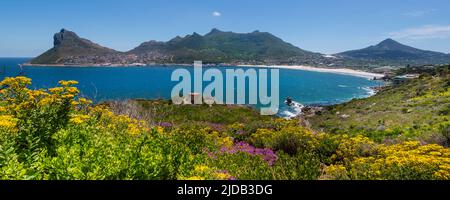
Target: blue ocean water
[[153, 82]]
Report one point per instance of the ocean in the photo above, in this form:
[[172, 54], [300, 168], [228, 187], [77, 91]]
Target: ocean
[[154, 82]]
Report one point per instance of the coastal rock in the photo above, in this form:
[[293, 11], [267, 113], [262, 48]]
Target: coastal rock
[[345, 116], [58, 38], [310, 111]]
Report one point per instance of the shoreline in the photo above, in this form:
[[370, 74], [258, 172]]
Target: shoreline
[[343, 71], [285, 113]]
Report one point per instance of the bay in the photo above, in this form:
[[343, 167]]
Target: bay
[[153, 82]]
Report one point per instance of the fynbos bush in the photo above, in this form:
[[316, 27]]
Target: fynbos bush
[[54, 134]]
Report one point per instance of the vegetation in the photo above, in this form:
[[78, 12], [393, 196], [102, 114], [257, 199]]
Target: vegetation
[[418, 109], [54, 134]]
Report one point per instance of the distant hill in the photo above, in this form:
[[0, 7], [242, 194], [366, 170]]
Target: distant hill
[[218, 47], [68, 44], [391, 52]]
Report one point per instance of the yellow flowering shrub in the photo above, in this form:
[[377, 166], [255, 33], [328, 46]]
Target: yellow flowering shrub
[[203, 172], [352, 147], [16, 83], [290, 138], [194, 178], [54, 127], [408, 160], [7, 122], [54, 134], [334, 172], [111, 122], [159, 129], [226, 142], [79, 118]]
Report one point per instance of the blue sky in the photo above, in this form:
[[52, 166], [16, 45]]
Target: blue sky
[[326, 26]]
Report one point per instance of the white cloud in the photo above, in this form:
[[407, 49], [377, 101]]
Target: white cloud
[[419, 13], [216, 14], [423, 32]]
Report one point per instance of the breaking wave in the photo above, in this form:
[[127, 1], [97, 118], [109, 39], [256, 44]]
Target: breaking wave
[[292, 111]]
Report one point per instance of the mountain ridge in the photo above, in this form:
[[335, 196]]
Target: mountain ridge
[[226, 47], [391, 51], [220, 46]]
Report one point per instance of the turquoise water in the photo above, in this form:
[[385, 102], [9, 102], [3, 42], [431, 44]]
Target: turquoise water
[[153, 82]]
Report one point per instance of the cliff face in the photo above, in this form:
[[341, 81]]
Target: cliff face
[[68, 44]]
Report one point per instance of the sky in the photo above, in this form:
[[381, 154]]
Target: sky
[[325, 26]]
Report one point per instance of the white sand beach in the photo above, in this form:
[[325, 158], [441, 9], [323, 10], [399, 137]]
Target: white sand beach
[[344, 71]]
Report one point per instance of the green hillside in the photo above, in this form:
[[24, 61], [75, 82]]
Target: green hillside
[[417, 109], [220, 47], [53, 134]]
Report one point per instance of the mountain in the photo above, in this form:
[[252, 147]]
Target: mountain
[[256, 48], [392, 52], [67, 44], [219, 47], [215, 47]]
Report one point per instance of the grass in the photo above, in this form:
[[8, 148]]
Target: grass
[[217, 117], [221, 114]]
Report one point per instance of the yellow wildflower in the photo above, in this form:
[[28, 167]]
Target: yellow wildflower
[[84, 101], [56, 90], [19, 81], [222, 176], [68, 83], [338, 172], [46, 101], [225, 142], [79, 119], [160, 129], [201, 168], [195, 178], [442, 174], [68, 96], [133, 129], [72, 90], [7, 121]]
